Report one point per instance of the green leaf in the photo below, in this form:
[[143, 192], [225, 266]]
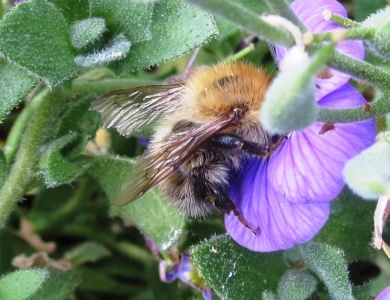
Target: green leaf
[[365, 8], [21, 284], [110, 172], [73, 10], [60, 286], [116, 50], [15, 84], [155, 218], [150, 214], [329, 265], [131, 18], [35, 36], [79, 118], [232, 270], [350, 226], [86, 31], [296, 285], [58, 170], [86, 252], [177, 29]]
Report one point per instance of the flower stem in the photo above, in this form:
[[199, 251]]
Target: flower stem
[[26, 158], [359, 33], [361, 70], [246, 19], [375, 109], [339, 20], [239, 55], [19, 126]]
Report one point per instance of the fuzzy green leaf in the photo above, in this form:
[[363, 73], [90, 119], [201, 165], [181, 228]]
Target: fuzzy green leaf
[[21, 284], [73, 10], [60, 285], [150, 213], [155, 218], [58, 170], [233, 271], [116, 50], [342, 230], [296, 285], [86, 31], [177, 28], [131, 18], [329, 265], [15, 84], [86, 252], [36, 37]]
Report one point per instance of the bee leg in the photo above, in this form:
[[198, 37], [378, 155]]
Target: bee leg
[[216, 195], [227, 206]]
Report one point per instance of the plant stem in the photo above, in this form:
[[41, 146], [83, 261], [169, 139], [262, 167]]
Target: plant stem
[[26, 159], [376, 109], [245, 19], [282, 8], [339, 20], [351, 34]]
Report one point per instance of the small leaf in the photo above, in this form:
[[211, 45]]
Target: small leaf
[[15, 84], [21, 284], [60, 285], [131, 18], [233, 271], [116, 50], [296, 285], [58, 170], [329, 265], [343, 231], [35, 36], [73, 10], [86, 252], [110, 172], [86, 31], [177, 29], [150, 213]]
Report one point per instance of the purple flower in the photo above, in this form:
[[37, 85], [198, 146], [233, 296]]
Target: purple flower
[[288, 194], [384, 295], [186, 273], [311, 14]]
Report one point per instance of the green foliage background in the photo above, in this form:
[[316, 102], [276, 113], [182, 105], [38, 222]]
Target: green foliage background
[[59, 180]]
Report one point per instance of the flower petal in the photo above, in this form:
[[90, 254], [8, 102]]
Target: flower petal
[[281, 223], [308, 166], [311, 14]]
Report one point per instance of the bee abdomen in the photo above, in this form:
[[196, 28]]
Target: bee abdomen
[[191, 189]]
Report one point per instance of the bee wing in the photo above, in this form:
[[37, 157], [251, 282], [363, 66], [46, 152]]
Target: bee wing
[[160, 161], [129, 110]]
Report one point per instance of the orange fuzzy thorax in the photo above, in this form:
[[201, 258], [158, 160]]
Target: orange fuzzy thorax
[[213, 91]]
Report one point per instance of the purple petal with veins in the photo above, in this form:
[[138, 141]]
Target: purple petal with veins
[[288, 195], [311, 14]]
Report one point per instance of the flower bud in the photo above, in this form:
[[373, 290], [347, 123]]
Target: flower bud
[[86, 31], [380, 42], [290, 100], [368, 174]]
